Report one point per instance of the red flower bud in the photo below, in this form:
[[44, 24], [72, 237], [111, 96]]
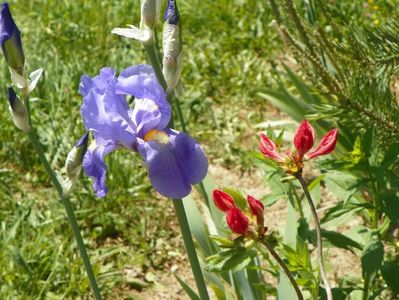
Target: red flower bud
[[222, 200], [326, 145], [237, 221], [304, 138], [269, 148], [257, 209]]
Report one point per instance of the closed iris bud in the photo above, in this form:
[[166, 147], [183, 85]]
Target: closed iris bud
[[237, 221], [172, 45], [304, 139], [222, 200], [73, 163], [10, 40], [257, 209], [19, 112], [150, 13]]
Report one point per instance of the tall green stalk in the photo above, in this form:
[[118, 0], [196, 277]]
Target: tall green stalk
[[318, 235], [71, 215], [178, 203]]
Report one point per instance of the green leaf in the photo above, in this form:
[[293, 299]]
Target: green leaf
[[390, 205], [315, 182], [291, 226], [244, 290], [255, 277], [285, 102], [238, 197], [189, 291], [302, 88], [233, 259], [222, 241], [197, 226], [343, 184], [391, 156], [372, 257], [342, 208], [340, 241], [20, 260], [390, 273], [284, 288]]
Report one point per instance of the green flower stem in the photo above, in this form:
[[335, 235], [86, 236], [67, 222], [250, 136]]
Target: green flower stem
[[284, 267], [178, 203], [71, 216], [190, 248], [156, 64], [318, 234]]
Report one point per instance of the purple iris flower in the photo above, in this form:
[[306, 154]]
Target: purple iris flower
[[10, 40], [174, 160]]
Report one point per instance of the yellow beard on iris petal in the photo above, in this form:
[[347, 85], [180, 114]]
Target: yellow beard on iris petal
[[157, 136]]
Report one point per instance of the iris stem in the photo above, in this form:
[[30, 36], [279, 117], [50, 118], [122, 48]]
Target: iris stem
[[178, 203], [70, 213], [156, 64], [190, 248], [318, 234], [285, 268]]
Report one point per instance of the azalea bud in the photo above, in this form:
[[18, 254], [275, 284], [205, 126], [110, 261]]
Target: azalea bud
[[257, 209], [10, 39], [237, 221], [269, 148], [326, 145], [172, 45], [73, 163], [304, 139], [150, 13], [222, 200], [19, 113]]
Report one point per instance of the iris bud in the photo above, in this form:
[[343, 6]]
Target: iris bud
[[10, 40], [172, 45], [73, 163], [19, 112], [150, 13]]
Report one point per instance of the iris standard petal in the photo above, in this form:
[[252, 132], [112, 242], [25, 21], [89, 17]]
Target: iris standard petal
[[94, 165], [105, 112], [147, 116], [141, 82], [174, 163]]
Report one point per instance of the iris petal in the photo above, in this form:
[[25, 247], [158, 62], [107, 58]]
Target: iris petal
[[94, 165], [141, 82], [147, 116], [174, 166], [105, 112]]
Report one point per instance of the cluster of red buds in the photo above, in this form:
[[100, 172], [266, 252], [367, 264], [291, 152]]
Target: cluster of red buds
[[247, 222], [292, 161]]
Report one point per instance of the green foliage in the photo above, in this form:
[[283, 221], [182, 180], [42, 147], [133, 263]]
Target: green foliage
[[345, 75], [372, 257]]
